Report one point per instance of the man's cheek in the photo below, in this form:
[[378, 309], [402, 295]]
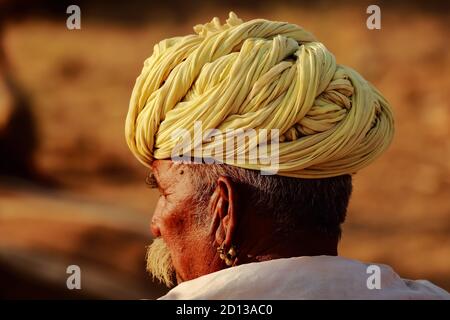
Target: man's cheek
[[174, 221]]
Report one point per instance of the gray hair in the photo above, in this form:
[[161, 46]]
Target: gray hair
[[295, 204]]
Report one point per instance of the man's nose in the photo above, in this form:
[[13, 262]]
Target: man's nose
[[154, 228]]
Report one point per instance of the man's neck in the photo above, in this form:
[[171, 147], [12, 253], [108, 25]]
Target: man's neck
[[287, 249]]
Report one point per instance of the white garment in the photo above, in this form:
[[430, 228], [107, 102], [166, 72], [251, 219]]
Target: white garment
[[319, 277]]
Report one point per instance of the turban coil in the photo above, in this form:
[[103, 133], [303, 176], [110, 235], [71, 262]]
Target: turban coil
[[259, 74]]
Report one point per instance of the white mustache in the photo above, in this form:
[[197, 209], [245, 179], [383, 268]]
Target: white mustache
[[159, 262]]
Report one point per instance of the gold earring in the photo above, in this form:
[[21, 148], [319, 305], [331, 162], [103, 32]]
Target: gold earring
[[230, 256], [221, 251]]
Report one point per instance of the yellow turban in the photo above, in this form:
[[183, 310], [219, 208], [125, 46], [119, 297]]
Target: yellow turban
[[259, 74]]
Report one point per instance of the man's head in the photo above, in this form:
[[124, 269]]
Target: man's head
[[202, 207], [257, 76]]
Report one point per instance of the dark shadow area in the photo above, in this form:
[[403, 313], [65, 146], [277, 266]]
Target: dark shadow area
[[17, 285], [111, 262], [177, 11], [18, 137]]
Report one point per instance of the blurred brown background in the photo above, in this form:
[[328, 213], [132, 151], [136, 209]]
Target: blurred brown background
[[71, 192]]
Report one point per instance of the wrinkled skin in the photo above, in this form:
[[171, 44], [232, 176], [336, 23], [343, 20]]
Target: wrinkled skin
[[228, 220]]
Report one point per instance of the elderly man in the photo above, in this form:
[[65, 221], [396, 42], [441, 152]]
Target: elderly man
[[252, 209]]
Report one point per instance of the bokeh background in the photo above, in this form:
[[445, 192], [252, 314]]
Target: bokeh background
[[71, 192]]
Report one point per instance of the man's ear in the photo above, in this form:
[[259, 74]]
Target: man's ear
[[224, 202]]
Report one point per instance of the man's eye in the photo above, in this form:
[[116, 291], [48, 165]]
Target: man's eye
[[151, 182]]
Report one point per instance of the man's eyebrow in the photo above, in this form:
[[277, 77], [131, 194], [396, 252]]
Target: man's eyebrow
[[151, 181]]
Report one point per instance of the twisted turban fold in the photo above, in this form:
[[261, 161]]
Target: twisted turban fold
[[259, 74]]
